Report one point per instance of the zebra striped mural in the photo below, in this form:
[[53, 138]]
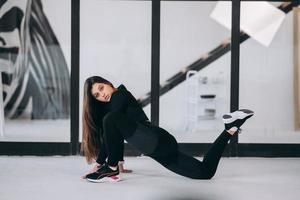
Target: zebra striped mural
[[34, 74]]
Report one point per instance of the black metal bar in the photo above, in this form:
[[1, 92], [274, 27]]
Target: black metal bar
[[193, 149], [245, 149], [75, 4], [268, 150], [155, 51], [235, 66], [34, 148]]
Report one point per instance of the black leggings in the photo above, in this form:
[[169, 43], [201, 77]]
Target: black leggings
[[157, 143]]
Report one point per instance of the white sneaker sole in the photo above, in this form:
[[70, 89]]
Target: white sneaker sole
[[110, 179], [239, 114]]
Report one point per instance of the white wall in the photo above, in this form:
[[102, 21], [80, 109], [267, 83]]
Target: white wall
[[266, 74], [116, 41], [187, 32], [267, 86]]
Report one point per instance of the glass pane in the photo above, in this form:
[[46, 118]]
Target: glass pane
[[190, 37], [267, 75], [35, 70], [115, 43]]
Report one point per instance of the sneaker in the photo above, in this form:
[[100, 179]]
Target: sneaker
[[236, 118], [104, 174]]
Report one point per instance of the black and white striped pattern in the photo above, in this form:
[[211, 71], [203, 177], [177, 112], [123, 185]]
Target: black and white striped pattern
[[34, 73]]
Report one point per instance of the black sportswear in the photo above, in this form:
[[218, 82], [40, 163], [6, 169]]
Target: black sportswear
[[127, 120]]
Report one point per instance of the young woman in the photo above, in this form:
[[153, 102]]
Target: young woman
[[111, 115]]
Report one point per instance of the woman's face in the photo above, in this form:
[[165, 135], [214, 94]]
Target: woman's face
[[102, 92]]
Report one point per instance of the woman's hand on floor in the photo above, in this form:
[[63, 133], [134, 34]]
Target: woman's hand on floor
[[122, 169]]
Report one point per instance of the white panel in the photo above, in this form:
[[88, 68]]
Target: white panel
[[261, 25]]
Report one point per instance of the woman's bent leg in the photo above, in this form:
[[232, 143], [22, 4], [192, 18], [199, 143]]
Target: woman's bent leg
[[212, 157], [113, 139], [183, 165], [190, 167]]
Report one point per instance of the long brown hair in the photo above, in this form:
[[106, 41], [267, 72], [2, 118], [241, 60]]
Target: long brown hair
[[92, 115]]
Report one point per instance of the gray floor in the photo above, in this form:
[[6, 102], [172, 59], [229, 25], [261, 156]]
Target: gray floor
[[58, 177]]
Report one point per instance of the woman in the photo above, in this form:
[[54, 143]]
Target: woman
[[111, 115]]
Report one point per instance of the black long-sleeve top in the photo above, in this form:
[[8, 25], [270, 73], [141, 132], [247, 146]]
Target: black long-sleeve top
[[122, 101]]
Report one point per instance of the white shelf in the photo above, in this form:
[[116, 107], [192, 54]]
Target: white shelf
[[201, 100]]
